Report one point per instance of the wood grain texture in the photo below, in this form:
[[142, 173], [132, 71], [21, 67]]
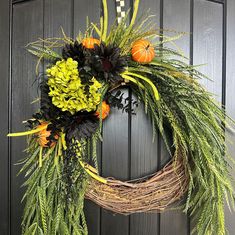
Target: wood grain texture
[[115, 153], [150, 7], [207, 45], [4, 79], [115, 163], [27, 27], [172, 222], [208, 29], [57, 15], [230, 87], [176, 16], [81, 10], [144, 161], [217, 1], [144, 153]]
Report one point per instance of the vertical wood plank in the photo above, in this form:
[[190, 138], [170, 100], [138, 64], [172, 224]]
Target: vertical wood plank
[[208, 35], [230, 87], [57, 15], [27, 27], [144, 161], [152, 7], [115, 163], [115, 153], [207, 45], [176, 16], [4, 79], [83, 9], [144, 153]]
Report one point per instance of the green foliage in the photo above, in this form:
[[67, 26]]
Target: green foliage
[[197, 126], [47, 208], [46, 53], [66, 88]]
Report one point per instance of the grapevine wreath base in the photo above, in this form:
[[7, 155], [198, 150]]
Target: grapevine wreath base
[[78, 91], [151, 194]]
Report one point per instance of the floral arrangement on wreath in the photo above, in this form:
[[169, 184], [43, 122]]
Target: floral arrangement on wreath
[[78, 90]]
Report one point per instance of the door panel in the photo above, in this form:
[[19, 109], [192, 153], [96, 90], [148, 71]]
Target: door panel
[[4, 117], [80, 11], [83, 10], [229, 92], [127, 151], [115, 155], [57, 16], [176, 16], [144, 153], [27, 27], [208, 43]]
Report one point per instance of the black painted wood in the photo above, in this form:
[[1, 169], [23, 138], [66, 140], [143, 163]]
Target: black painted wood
[[144, 153], [58, 15], [115, 154], [176, 15], [19, 1], [115, 163], [208, 43], [84, 10], [27, 27], [230, 86], [216, 1], [144, 161], [4, 75], [127, 151], [80, 11]]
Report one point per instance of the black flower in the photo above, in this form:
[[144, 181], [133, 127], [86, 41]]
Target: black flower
[[83, 127], [106, 63], [79, 53], [103, 62], [76, 51]]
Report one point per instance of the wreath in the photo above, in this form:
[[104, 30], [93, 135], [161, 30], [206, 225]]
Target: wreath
[[79, 88]]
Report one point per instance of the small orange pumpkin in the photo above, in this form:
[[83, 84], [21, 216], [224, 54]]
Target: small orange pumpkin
[[89, 43], [105, 110], [43, 134], [142, 51]]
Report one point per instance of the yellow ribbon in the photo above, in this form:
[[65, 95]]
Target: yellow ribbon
[[155, 91], [90, 170], [27, 132]]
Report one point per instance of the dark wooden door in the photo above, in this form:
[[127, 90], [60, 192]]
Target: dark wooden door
[[127, 151]]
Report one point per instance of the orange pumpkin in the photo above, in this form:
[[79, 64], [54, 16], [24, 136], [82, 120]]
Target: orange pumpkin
[[105, 110], [142, 51], [89, 43], [43, 134]]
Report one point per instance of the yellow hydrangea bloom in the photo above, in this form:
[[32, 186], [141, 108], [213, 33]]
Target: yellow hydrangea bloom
[[66, 89]]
